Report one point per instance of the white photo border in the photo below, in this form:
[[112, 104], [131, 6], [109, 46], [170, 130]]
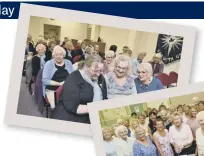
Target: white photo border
[[94, 107], [28, 10]]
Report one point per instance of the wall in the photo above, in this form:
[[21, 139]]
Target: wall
[[72, 30], [138, 41]]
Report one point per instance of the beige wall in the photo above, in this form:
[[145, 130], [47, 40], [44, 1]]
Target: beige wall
[[138, 41], [72, 30]]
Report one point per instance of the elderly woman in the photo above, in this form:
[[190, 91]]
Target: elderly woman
[[162, 139], [109, 61], [80, 88], [120, 83], [145, 81], [38, 62], [157, 64], [200, 134], [192, 122], [124, 144], [109, 142], [143, 145], [54, 73], [181, 136]]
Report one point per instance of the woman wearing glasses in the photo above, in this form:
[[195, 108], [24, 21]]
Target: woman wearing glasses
[[80, 88], [119, 82], [145, 81]]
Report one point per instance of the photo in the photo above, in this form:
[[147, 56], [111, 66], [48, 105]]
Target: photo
[[69, 61], [168, 127]]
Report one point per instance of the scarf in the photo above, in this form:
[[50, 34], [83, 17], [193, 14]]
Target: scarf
[[97, 90], [42, 60]]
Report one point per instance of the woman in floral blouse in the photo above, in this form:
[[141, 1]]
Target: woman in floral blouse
[[119, 82]]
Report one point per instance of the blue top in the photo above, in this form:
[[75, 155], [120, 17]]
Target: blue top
[[144, 150], [154, 85], [50, 69]]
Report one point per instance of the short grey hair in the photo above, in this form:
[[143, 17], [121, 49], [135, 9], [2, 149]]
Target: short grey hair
[[120, 128], [124, 58], [58, 49], [109, 53], [147, 67], [200, 116]]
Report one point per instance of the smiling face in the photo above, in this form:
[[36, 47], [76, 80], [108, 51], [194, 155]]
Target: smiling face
[[152, 117], [140, 134], [94, 71], [107, 134], [123, 133], [160, 125], [143, 75], [121, 69], [142, 120], [177, 121]]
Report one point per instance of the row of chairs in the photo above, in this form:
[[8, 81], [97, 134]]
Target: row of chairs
[[168, 80]]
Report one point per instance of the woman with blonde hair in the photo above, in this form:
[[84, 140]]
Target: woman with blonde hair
[[134, 123], [124, 144], [145, 81], [200, 134], [143, 146], [109, 142], [157, 64], [119, 82]]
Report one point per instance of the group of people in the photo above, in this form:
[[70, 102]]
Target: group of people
[[163, 132], [85, 75]]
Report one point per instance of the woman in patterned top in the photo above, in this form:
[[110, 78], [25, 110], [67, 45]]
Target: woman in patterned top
[[143, 145], [119, 82]]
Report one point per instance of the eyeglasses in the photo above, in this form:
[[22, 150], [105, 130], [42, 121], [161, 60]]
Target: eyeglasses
[[141, 72], [121, 68], [110, 57]]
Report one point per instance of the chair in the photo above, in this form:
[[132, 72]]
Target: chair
[[58, 93], [164, 78], [173, 78]]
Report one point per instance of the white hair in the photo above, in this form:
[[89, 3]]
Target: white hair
[[119, 129], [147, 67], [40, 46], [58, 49], [109, 53], [200, 116]]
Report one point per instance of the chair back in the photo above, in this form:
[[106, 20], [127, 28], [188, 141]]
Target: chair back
[[164, 78], [173, 77]]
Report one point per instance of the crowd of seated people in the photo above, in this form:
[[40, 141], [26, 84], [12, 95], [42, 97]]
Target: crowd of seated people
[[161, 132], [86, 74]]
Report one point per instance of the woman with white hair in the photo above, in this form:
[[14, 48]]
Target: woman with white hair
[[157, 64], [145, 81], [181, 136], [120, 83], [109, 61], [143, 145], [54, 73], [200, 134], [38, 62], [124, 144], [109, 142]]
